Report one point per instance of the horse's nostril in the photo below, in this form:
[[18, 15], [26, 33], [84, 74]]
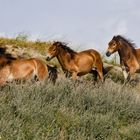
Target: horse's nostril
[[108, 54], [48, 58]]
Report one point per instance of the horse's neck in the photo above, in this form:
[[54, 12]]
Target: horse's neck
[[64, 59], [125, 53]]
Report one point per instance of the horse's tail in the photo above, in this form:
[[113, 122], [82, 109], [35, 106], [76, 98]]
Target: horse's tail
[[106, 70], [53, 73]]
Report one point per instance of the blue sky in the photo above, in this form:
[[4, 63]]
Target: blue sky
[[84, 23]]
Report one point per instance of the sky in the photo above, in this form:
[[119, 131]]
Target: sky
[[82, 23]]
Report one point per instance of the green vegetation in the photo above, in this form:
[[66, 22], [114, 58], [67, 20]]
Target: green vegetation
[[69, 111]]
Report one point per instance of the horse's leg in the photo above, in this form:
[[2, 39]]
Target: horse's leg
[[101, 76], [131, 75], [4, 73], [74, 75], [127, 79], [125, 72], [2, 81], [53, 74], [95, 74], [100, 73], [128, 75], [67, 74]]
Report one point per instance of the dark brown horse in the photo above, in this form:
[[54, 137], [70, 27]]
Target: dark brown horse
[[129, 56], [24, 69], [76, 63]]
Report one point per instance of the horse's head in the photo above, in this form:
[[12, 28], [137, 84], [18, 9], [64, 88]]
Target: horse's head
[[113, 46], [53, 51]]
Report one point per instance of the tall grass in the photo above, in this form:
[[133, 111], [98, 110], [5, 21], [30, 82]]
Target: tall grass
[[69, 111]]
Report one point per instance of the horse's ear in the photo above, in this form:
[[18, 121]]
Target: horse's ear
[[114, 37]]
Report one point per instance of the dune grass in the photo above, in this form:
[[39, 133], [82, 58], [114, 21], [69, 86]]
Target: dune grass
[[69, 111]]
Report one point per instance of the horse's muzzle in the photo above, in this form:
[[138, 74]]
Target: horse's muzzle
[[48, 58], [108, 54]]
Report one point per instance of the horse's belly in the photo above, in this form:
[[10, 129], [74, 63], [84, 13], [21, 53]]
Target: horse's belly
[[85, 68], [80, 70], [10, 78], [85, 65], [82, 73]]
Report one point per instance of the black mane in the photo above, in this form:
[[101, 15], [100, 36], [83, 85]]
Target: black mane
[[2, 51], [127, 41], [7, 55], [65, 47]]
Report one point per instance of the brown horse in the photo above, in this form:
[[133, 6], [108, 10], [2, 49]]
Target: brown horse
[[76, 63], [129, 56], [5, 58], [23, 69]]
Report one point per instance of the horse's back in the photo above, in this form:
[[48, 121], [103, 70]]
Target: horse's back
[[87, 60], [21, 63], [91, 53]]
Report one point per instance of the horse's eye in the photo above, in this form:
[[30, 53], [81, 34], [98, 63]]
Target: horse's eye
[[114, 44]]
